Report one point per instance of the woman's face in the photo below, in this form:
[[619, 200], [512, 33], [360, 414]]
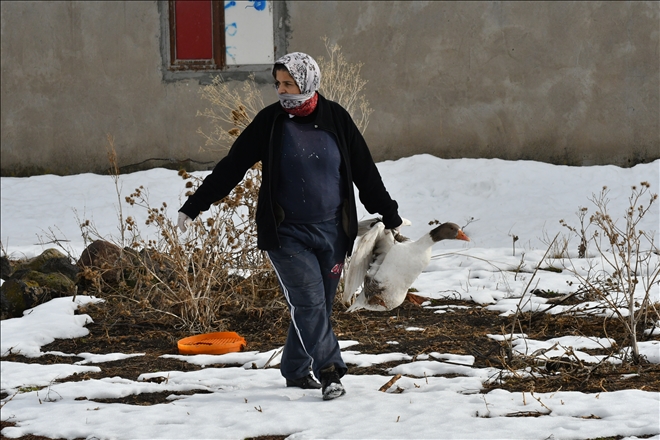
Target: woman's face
[[284, 83]]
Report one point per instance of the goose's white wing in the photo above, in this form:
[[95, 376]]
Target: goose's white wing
[[365, 225], [360, 261]]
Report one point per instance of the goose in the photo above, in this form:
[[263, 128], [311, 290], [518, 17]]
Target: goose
[[386, 264]]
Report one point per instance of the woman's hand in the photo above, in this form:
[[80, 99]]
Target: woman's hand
[[183, 222]]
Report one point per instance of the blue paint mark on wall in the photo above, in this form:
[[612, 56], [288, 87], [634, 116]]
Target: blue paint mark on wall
[[258, 5], [253, 42], [229, 50], [231, 29]]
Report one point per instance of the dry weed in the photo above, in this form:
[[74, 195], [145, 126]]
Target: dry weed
[[232, 109], [191, 277], [342, 82]]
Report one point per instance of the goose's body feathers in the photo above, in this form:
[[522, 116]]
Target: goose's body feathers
[[387, 265]]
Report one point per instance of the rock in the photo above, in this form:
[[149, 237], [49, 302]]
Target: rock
[[61, 265], [145, 266], [102, 257], [33, 282], [18, 296], [37, 262], [58, 283], [51, 261], [4, 306], [157, 264], [29, 288], [5, 268]]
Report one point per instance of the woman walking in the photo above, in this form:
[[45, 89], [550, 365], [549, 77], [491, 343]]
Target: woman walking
[[311, 154]]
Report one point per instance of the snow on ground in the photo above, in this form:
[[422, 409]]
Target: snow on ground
[[494, 199]]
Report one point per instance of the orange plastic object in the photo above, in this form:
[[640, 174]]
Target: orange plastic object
[[212, 343]]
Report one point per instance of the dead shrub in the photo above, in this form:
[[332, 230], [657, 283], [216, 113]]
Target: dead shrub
[[214, 268]]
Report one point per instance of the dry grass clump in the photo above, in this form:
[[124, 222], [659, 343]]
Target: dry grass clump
[[193, 277], [342, 82], [232, 109], [629, 267], [617, 272]]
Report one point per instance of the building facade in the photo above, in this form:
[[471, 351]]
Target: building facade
[[573, 83]]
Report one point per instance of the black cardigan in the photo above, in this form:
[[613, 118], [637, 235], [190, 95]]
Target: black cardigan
[[260, 141]]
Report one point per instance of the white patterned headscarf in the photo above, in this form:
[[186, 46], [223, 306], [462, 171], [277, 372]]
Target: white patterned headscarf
[[305, 73]]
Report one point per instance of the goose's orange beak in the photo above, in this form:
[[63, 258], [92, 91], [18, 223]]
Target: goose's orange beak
[[461, 236]]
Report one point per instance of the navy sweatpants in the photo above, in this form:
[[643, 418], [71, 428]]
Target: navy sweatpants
[[308, 264]]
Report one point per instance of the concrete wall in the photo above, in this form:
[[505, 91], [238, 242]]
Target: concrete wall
[[561, 82], [73, 72]]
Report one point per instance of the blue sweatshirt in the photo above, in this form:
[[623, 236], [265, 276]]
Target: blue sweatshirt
[[310, 187]]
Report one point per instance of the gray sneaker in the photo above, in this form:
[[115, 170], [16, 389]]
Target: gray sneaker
[[332, 387]]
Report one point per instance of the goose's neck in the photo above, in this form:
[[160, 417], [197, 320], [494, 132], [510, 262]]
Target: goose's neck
[[426, 241]]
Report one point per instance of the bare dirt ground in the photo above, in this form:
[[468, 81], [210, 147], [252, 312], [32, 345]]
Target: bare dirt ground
[[462, 330]]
